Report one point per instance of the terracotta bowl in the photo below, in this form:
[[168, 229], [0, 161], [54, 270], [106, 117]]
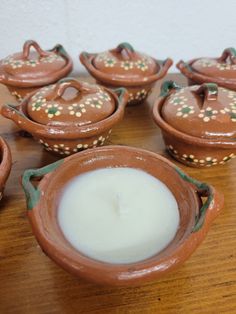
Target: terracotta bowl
[[197, 123], [5, 164], [128, 68], [66, 136], [27, 71], [199, 204]]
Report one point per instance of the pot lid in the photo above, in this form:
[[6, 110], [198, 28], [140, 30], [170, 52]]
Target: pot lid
[[70, 102], [35, 66], [222, 67], [205, 111], [125, 62]]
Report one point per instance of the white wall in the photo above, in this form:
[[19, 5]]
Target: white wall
[[161, 28]]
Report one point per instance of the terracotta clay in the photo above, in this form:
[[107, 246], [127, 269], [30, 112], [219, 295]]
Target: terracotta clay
[[221, 71], [69, 116], [197, 123], [5, 164], [126, 67], [199, 204], [26, 71]]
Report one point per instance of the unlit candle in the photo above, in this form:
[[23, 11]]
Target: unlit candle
[[118, 215]]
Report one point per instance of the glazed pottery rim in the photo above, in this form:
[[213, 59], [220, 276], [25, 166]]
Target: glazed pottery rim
[[71, 132], [5, 162], [119, 274], [186, 69], [45, 80], [87, 60], [184, 137]]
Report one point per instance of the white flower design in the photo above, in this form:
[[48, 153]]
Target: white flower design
[[184, 111], [142, 65], [178, 100], [208, 114], [127, 65], [109, 62]]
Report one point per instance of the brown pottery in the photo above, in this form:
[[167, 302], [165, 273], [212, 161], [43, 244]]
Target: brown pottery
[[126, 67], [198, 203], [198, 123], [5, 164], [26, 71], [221, 71], [70, 115]]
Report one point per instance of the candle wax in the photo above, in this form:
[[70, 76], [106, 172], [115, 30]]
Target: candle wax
[[118, 215]]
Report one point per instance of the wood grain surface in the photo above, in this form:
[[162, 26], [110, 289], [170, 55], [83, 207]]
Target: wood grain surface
[[31, 283]]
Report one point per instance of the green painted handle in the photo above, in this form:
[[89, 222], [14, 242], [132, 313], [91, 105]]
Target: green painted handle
[[127, 48], [123, 96], [167, 86], [120, 92], [33, 193], [203, 190], [229, 53], [59, 48], [209, 90]]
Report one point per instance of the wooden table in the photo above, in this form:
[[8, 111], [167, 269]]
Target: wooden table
[[31, 283]]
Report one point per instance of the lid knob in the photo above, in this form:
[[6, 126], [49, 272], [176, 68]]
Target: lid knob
[[209, 91], [126, 49], [66, 83], [31, 43]]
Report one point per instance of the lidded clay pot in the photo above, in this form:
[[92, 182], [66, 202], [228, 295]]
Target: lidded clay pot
[[25, 71], [221, 71], [198, 204], [126, 67], [198, 123], [70, 115]]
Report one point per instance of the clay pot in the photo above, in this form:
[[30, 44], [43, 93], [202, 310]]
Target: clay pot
[[5, 164], [26, 71], [125, 67], [198, 203], [69, 116], [221, 71], [197, 123]]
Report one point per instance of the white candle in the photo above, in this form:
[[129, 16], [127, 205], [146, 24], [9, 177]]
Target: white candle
[[118, 215]]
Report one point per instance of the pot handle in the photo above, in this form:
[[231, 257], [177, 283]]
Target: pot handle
[[123, 96], [212, 205], [209, 92], [60, 50], [32, 193], [185, 68], [63, 84], [228, 54], [167, 86], [11, 112], [126, 49], [164, 67], [86, 59], [31, 43]]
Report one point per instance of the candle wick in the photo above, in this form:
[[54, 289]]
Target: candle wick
[[120, 206]]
